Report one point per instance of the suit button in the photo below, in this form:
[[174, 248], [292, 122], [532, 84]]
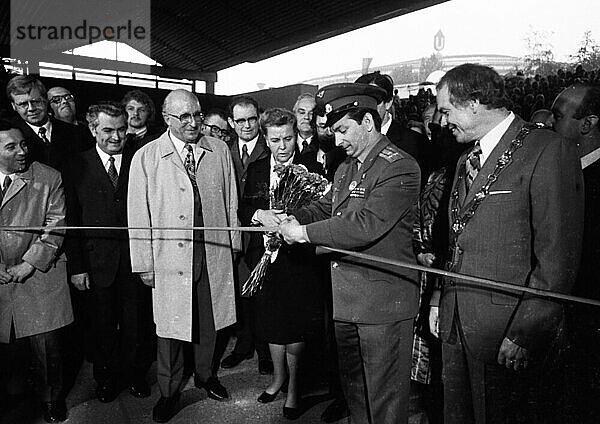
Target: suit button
[[335, 265], [117, 200], [182, 217], [182, 188], [180, 273], [180, 244]]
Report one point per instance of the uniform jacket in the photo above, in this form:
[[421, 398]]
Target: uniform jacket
[[93, 201], [160, 195], [65, 141], [527, 232], [42, 303], [375, 218]]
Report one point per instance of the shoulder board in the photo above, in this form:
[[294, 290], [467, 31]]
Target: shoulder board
[[391, 154]]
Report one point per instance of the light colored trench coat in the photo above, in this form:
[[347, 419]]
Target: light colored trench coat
[[160, 195], [42, 302]]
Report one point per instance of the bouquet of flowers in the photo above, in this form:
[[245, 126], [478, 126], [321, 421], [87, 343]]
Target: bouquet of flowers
[[297, 187]]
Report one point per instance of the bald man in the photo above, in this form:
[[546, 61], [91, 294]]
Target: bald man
[[576, 112], [184, 179]]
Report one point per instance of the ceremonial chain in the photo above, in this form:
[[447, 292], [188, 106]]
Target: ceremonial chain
[[459, 222]]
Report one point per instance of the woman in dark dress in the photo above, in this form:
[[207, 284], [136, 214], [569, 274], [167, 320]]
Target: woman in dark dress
[[284, 304]]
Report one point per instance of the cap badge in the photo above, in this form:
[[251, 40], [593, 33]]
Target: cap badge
[[320, 94], [352, 186], [328, 108]]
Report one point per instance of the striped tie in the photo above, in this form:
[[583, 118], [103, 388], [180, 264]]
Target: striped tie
[[190, 163], [473, 165]]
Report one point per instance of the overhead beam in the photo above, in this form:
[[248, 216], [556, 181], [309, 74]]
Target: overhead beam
[[117, 65]]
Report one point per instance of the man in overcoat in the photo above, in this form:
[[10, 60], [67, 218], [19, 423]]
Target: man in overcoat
[[34, 295], [184, 180], [368, 209], [516, 216]]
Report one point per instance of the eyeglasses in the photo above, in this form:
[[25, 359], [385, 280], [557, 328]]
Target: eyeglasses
[[31, 103], [214, 129], [58, 99], [242, 121], [186, 118]]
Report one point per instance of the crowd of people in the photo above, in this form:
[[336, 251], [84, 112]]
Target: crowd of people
[[461, 181]]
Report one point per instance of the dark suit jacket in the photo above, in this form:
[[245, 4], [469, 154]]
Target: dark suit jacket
[[527, 232], [92, 201], [255, 197], [377, 219], [260, 151], [408, 140], [66, 141]]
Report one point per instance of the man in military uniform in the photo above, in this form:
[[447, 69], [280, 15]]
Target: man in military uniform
[[368, 209]]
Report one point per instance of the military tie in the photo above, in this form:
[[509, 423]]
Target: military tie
[[190, 163], [112, 172], [4, 188], [245, 155], [42, 134], [473, 165]]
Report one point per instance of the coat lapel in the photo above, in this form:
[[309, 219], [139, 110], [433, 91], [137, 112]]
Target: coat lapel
[[492, 160], [21, 180]]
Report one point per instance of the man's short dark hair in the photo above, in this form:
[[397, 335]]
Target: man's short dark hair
[[359, 113], [474, 82], [380, 80], [23, 84], [7, 125], [590, 104], [140, 97], [113, 109], [277, 117], [242, 100]]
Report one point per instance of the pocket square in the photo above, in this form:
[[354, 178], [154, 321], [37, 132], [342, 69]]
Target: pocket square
[[499, 192]]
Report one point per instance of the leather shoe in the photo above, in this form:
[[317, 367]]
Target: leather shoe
[[336, 410], [139, 388], [55, 412], [267, 397], [234, 359], [106, 392], [164, 409], [265, 366], [214, 389], [292, 413]]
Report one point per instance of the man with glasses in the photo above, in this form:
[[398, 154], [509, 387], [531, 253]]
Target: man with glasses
[[248, 146], [50, 140], [184, 180], [62, 103], [215, 125]]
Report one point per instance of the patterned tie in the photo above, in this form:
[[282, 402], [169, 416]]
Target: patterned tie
[[473, 165], [304, 145], [4, 187], [112, 172], [42, 134], [190, 163], [245, 155]]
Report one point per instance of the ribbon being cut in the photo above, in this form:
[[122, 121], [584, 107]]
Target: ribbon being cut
[[296, 188]]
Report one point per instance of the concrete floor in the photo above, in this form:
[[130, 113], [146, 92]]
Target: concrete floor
[[243, 382]]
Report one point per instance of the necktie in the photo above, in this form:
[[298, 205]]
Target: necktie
[[190, 163], [112, 172], [42, 134], [4, 187], [473, 165], [245, 155], [304, 146]]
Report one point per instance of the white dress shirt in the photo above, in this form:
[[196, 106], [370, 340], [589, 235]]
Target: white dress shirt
[[47, 125], [491, 139], [250, 145], [105, 158]]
